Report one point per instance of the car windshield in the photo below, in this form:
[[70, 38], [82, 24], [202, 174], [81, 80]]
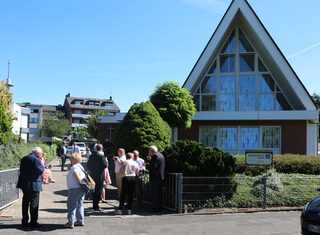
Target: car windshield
[[69, 147], [315, 203], [82, 145]]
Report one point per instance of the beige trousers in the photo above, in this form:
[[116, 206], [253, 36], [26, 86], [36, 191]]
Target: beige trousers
[[119, 183]]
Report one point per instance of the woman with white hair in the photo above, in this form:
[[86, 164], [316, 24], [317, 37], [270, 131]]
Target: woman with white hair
[[75, 194]]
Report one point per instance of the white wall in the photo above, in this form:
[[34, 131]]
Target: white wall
[[16, 124], [312, 138]]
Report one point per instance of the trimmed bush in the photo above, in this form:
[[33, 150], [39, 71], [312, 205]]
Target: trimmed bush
[[11, 154], [286, 163], [194, 159], [141, 127]]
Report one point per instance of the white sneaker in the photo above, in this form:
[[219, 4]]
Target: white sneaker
[[129, 212], [52, 181], [118, 212]]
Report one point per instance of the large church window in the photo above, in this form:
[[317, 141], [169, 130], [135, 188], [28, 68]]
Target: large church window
[[228, 137], [250, 137], [208, 136], [270, 137], [227, 64], [246, 63], [238, 80], [230, 45]]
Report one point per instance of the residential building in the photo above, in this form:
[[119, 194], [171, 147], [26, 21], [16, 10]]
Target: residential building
[[20, 125], [78, 109], [37, 113]]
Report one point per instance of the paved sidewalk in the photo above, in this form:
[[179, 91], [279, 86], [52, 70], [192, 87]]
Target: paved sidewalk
[[53, 199]]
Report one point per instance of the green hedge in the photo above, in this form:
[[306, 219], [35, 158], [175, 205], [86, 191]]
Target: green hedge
[[11, 154], [286, 163]]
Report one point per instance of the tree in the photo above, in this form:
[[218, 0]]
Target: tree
[[93, 122], [6, 117], [55, 126], [141, 127], [80, 132], [316, 100], [6, 134], [174, 104]]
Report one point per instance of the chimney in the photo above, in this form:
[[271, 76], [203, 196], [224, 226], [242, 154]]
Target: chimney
[[68, 95], [110, 97]]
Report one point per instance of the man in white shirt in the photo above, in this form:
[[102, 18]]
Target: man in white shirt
[[131, 169], [142, 167], [76, 148]]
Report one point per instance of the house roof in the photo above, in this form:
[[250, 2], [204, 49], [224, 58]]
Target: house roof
[[70, 99], [242, 13]]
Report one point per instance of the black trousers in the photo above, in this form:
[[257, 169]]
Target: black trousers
[[128, 184], [96, 197], [156, 194], [30, 199], [63, 161]]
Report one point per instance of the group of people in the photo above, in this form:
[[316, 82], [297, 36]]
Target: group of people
[[128, 168]]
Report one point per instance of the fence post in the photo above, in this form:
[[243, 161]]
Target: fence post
[[179, 192], [264, 192]]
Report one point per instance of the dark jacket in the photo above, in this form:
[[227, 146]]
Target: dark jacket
[[157, 166], [96, 165], [31, 170]]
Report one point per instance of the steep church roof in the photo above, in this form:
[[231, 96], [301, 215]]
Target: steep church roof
[[241, 14]]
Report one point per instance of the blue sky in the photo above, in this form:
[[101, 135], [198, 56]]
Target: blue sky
[[125, 48]]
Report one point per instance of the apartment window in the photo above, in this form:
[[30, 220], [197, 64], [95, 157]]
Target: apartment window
[[33, 110], [108, 104], [91, 103], [76, 121], [78, 102], [77, 111], [33, 120]]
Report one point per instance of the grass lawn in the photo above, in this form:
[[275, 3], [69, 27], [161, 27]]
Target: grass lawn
[[287, 190]]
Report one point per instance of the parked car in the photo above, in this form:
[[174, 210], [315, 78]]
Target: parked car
[[310, 217], [82, 147], [69, 151]]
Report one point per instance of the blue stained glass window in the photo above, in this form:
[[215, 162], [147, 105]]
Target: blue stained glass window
[[196, 100], [281, 102], [250, 137], [227, 102], [270, 137], [247, 63], [227, 84], [266, 83], [228, 137], [266, 102], [208, 136], [230, 46], [247, 102], [208, 103], [244, 45], [209, 85], [247, 83], [227, 64]]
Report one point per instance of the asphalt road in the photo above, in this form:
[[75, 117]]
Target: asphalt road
[[244, 223]]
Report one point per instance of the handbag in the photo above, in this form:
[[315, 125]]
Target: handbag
[[87, 183]]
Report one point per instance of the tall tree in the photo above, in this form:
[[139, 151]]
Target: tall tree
[[316, 100], [6, 117], [55, 126], [93, 122], [174, 104], [80, 132], [141, 127]]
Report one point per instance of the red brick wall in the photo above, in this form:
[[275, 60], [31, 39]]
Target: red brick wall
[[293, 138]]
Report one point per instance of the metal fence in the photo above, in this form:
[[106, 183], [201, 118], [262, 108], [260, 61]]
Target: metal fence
[[183, 193], [171, 191], [9, 193]]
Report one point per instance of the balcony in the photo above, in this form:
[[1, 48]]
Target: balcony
[[78, 115], [78, 124]]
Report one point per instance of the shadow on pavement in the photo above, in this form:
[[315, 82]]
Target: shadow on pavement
[[55, 210], [44, 228], [62, 192]]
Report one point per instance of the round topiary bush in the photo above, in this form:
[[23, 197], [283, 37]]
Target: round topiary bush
[[141, 127]]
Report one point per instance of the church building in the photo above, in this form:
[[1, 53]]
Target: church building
[[246, 93]]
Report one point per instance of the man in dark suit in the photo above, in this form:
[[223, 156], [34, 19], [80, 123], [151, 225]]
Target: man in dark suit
[[31, 169], [157, 166], [96, 165]]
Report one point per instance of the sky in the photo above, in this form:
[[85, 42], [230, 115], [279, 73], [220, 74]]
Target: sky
[[125, 48]]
